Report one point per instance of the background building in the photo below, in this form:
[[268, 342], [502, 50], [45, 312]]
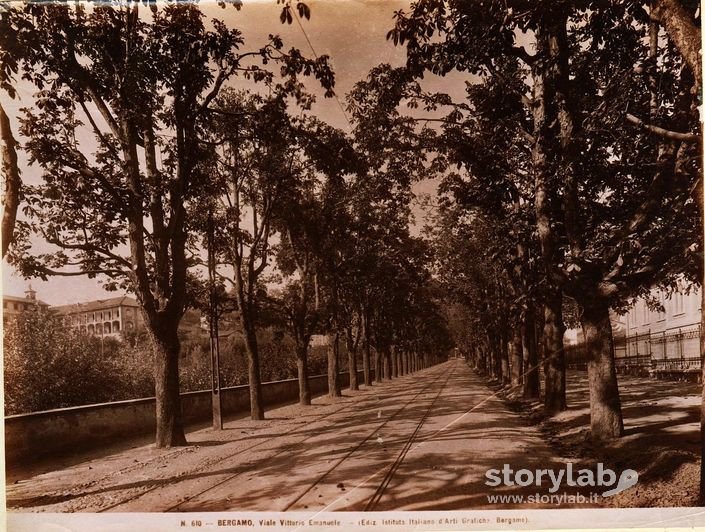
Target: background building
[[670, 336], [661, 341], [104, 317], [13, 306]]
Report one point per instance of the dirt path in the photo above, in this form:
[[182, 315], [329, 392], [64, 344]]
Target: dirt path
[[420, 442]]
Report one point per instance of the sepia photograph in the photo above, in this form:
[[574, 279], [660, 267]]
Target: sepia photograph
[[330, 265]]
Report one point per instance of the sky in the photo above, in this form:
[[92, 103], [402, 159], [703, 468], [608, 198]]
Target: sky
[[351, 32]]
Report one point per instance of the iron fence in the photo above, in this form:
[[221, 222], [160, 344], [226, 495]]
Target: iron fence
[[683, 364], [628, 362], [675, 350]]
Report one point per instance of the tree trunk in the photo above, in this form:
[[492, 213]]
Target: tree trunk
[[366, 353], [532, 386], [13, 183], [480, 359], [366, 370], [504, 357], [682, 30], [333, 367], [605, 407], [395, 363], [352, 363], [386, 360], [302, 370], [253, 372], [554, 400], [542, 157], [495, 364], [378, 366], [170, 429], [515, 350]]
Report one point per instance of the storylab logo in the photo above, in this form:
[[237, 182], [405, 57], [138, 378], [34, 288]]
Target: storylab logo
[[603, 478]]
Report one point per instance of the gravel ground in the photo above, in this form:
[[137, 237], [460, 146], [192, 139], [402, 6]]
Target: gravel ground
[[661, 441]]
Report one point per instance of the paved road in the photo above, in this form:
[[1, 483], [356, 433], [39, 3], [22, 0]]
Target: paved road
[[420, 442]]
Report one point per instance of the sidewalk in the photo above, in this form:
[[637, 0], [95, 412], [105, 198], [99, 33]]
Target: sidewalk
[[661, 440]]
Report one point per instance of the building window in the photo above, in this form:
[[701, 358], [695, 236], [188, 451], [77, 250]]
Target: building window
[[678, 303], [644, 314], [661, 314]]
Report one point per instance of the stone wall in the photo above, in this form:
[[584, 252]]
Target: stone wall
[[28, 436]]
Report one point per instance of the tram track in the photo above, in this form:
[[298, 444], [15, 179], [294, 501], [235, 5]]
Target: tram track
[[317, 431], [381, 489], [359, 445]]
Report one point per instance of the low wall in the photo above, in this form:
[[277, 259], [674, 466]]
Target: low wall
[[28, 436]]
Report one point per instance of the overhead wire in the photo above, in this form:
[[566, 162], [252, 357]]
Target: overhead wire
[[313, 51]]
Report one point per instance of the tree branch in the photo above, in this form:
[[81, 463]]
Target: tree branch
[[521, 53], [109, 272], [661, 132]]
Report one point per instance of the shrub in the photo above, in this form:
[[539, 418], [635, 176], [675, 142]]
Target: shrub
[[50, 366]]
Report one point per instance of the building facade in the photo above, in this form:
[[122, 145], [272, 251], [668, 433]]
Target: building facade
[[104, 317], [669, 336], [13, 306], [680, 310], [655, 339]]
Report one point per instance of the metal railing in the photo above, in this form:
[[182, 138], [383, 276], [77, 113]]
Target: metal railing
[[671, 365], [633, 361], [672, 350]]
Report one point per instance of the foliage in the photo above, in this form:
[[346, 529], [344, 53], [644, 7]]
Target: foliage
[[48, 365], [73, 369], [276, 352], [614, 190]]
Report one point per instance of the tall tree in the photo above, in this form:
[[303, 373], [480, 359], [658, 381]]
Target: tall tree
[[586, 225], [257, 166], [682, 22], [118, 129], [306, 219], [122, 211], [391, 146]]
